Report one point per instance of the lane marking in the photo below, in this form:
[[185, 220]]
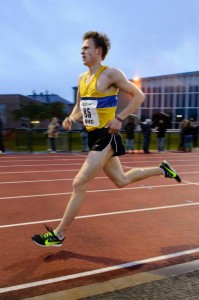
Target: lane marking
[[175, 166], [44, 180], [47, 171], [40, 165], [42, 171], [105, 214], [98, 191], [74, 156], [122, 161], [80, 162], [189, 182], [97, 271], [44, 160]]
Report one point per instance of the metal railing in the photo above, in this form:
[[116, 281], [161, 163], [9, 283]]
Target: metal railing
[[36, 140]]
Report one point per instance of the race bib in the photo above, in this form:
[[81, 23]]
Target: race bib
[[89, 112]]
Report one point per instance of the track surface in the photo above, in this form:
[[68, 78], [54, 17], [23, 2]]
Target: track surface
[[147, 225]]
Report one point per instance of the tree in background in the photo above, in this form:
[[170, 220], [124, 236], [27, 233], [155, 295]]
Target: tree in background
[[39, 111]]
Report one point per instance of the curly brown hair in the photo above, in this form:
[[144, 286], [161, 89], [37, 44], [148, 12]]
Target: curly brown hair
[[100, 40]]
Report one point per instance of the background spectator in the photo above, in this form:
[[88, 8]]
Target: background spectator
[[161, 130], [188, 136], [53, 132], [130, 128], [146, 131], [195, 134], [182, 125]]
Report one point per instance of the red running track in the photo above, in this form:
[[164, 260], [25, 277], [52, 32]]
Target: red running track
[[147, 225]]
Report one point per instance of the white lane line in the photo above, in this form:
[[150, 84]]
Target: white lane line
[[137, 165], [189, 182], [137, 162], [105, 214], [98, 191], [195, 172], [97, 271], [36, 159], [80, 162], [44, 160], [36, 181], [48, 171], [79, 156], [38, 171], [43, 180], [40, 165]]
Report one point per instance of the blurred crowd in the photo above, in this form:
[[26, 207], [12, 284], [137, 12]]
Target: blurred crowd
[[188, 135], [189, 131]]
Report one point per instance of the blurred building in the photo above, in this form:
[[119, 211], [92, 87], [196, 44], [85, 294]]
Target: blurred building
[[174, 96], [49, 98], [11, 102]]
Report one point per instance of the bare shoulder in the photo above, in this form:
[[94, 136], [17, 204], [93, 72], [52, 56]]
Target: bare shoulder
[[120, 81], [81, 76], [115, 74], [114, 71]]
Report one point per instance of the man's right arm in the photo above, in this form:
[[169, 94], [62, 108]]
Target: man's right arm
[[75, 115], [76, 112]]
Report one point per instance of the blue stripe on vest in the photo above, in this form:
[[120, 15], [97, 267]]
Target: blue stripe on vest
[[109, 101]]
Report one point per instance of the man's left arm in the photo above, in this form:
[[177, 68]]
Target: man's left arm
[[120, 81]]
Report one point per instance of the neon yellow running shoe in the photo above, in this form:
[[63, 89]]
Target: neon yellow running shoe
[[48, 239], [169, 171]]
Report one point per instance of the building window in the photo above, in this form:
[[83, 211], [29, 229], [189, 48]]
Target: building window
[[192, 114], [168, 99], [193, 96], [180, 101], [2, 109], [146, 102], [156, 97]]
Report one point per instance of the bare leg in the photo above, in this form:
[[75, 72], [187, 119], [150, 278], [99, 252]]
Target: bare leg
[[92, 165], [94, 162], [114, 171]]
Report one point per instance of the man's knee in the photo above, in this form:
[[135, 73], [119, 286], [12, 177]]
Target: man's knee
[[79, 184], [121, 182]]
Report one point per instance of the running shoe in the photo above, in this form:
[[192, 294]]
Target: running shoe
[[169, 171], [48, 239]]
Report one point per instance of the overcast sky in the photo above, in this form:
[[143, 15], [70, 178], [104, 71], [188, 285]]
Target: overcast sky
[[41, 40]]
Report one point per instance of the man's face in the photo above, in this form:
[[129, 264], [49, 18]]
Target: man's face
[[89, 53]]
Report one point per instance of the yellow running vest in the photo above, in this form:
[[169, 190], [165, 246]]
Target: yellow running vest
[[97, 108]]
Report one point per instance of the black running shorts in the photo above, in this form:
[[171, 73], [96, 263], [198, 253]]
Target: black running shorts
[[99, 139]]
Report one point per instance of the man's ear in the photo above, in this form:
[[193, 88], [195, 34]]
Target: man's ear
[[99, 51]]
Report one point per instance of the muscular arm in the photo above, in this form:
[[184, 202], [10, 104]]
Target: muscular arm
[[75, 114], [119, 80], [136, 95]]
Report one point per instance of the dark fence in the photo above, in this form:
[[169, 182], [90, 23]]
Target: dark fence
[[35, 140]]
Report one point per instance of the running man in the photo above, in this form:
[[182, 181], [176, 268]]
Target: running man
[[97, 103]]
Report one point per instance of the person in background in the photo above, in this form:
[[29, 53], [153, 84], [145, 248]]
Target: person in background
[[53, 132], [195, 134], [182, 126], [130, 128], [146, 131], [188, 136], [2, 148], [161, 131]]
